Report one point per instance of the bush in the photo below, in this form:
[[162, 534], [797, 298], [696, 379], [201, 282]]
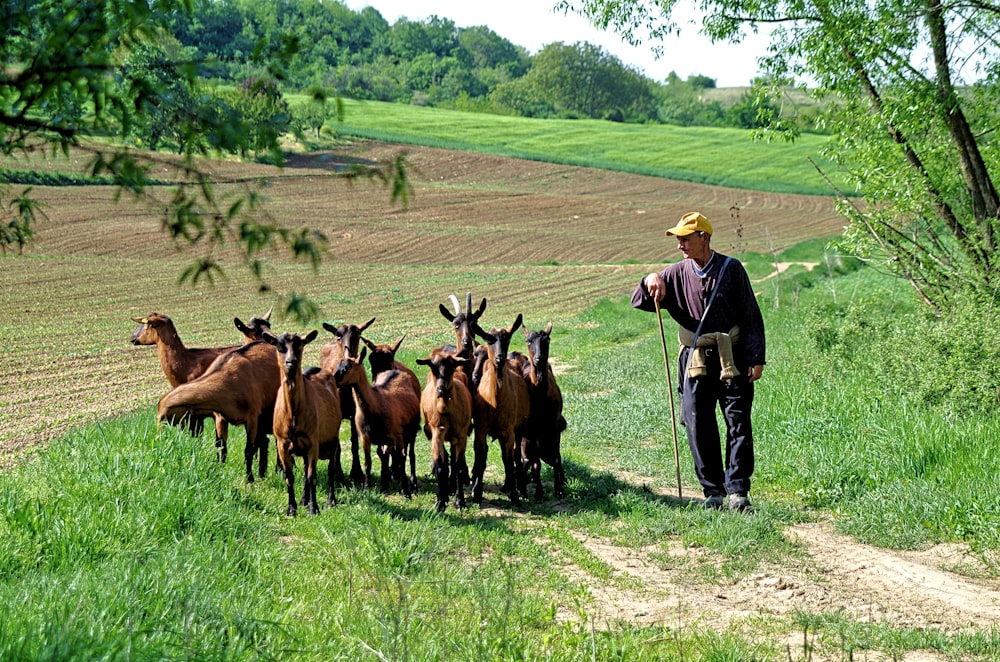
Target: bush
[[950, 363]]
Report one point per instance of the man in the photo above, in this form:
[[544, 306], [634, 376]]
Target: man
[[722, 354]]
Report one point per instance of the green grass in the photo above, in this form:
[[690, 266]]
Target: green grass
[[122, 540], [721, 157]]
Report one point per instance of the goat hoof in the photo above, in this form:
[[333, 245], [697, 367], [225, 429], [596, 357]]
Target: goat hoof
[[313, 510], [291, 512], [539, 494], [460, 504], [441, 506]]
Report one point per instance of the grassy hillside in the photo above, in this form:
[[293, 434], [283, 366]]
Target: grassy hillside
[[721, 157]]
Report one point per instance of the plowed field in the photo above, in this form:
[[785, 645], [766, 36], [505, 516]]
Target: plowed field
[[542, 239]]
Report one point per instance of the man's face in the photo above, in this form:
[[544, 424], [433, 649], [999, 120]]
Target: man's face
[[695, 246]]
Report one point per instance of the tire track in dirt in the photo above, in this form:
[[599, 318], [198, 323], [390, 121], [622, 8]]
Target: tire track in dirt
[[905, 589]]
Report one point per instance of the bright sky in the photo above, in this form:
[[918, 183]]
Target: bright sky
[[533, 24]]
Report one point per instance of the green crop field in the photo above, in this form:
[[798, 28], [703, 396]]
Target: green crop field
[[721, 157], [875, 534]]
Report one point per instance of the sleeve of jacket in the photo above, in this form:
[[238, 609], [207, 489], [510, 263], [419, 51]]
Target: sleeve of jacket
[[641, 298], [752, 326]]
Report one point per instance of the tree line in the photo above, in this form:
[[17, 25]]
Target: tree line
[[360, 55]]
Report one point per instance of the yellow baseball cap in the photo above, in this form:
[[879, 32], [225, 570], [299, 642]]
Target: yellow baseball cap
[[689, 223]]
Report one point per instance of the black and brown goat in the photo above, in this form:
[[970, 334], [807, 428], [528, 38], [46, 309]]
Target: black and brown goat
[[348, 339], [464, 325], [181, 364], [501, 406], [241, 385], [386, 414], [541, 437], [306, 420], [382, 358], [446, 405]]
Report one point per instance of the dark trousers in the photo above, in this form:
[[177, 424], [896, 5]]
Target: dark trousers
[[699, 398]]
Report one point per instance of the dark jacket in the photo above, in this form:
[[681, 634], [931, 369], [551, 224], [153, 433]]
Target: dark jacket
[[735, 303]]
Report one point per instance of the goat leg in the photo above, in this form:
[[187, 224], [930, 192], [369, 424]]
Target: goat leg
[[356, 474], [536, 475], [290, 484], [512, 473], [440, 471], [386, 462], [309, 488], [367, 475], [399, 457], [461, 473], [221, 435], [249, 449], [558, 475], [412, 443], [331, 498], [480, 451], [263, 446]]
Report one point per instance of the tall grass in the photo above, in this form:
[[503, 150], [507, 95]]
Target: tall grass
[[127, 541]]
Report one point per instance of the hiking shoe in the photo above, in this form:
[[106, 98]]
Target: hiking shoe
[[739, 502], [713, 502]]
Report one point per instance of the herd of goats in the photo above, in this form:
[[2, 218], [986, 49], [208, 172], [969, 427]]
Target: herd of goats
[[470, 387]]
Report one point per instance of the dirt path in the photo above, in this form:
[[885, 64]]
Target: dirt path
[[782, 267], [903, 589]]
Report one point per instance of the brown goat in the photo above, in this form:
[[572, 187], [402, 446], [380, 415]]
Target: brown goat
[[541, 437], [348, 340], [387, 415], [241, 385], [382, 358], [306, 420], [446, 405], [501, 406], [182, 364]]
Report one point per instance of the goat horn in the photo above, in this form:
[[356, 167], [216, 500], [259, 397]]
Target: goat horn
[[267, 315], [454, 302], [398, 343], [468, 302]]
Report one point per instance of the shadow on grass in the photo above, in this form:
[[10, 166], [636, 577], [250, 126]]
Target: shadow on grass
[[587, 490]]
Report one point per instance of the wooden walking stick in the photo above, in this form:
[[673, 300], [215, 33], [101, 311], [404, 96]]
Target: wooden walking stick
[[670, 390]]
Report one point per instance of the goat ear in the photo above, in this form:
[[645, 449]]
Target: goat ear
[[527, 333], [488, 337], [444, 311], [423, 361], [240, 326], [364, 353], [517, 323], [369, 343], [141, 320], [269, 338], [311, 337], [481, 309], [366, 324]]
